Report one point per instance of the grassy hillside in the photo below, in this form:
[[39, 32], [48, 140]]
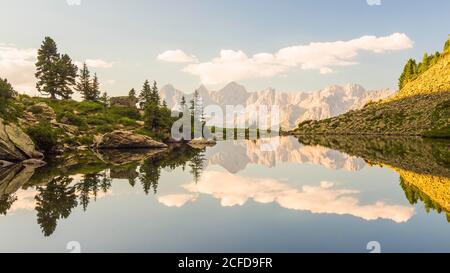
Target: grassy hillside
[[435, 79], [55, 124], [421, 108]]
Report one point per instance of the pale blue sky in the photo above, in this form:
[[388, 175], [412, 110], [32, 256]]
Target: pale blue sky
[[129, 35]]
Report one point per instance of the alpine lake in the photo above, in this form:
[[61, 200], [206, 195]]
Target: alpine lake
[[281, 194]]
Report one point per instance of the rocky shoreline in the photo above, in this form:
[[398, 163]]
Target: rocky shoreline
[[17, 148]]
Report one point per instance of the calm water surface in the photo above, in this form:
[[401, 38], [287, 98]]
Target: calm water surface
[[278, 195]]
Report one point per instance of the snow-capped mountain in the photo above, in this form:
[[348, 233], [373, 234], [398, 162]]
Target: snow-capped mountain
[[295, 107]]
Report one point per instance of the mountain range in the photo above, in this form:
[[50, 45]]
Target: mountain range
[[295, 107]]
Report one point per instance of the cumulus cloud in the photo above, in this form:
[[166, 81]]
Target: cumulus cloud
[[176, 56], [96, 63], [18, 66], [235, 65], [176, 200], [326, 198], [374, 2]]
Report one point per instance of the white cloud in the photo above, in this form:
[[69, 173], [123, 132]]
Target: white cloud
[[17, 65], [232, 65], [96, 63], [374, 2], [176, 200], [326, 198], [176, 56]]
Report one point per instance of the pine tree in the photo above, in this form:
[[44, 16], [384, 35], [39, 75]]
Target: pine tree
[[84, 83], [197, 164], [409, 73], [104, 99], [132, 93], [152, 116], [145, 95], [447, 44], [425, 64], [192, 108], [155, 94], [45, 67], [95, 89], [164, 104], [183, 102], [67, 74], [55, 73]]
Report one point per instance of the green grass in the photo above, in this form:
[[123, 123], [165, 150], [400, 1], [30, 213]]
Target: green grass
[[127, 121]]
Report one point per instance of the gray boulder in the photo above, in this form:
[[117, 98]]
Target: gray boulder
[[126, 140], [15, 145]]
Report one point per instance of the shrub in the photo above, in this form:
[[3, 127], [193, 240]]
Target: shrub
[[127, 121], [44, 136], [128, 112], [86, 139], [36, 110], [90, 107], [6, 89], [159, 136], [9, 110], [103, 129], [97, 121], [73, 119]]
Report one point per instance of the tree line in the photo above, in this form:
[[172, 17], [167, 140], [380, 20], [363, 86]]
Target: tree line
[[57, 75], [413, 69]]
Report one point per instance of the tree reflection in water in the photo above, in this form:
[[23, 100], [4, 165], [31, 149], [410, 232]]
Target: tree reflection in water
[[57, 192]]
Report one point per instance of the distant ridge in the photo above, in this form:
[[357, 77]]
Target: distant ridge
[[295, 107]]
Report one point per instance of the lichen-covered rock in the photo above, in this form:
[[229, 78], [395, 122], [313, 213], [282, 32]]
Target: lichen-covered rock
[[34, 162], [42, 110], [8, 150], [70, 129], [21, 140], [203, 141], [4, 163], [15, 145], [14, 177], [125, 157], [124, 101], [126, 140]]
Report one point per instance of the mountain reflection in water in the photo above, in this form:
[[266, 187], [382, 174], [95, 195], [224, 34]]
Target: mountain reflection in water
[[76, 180]]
